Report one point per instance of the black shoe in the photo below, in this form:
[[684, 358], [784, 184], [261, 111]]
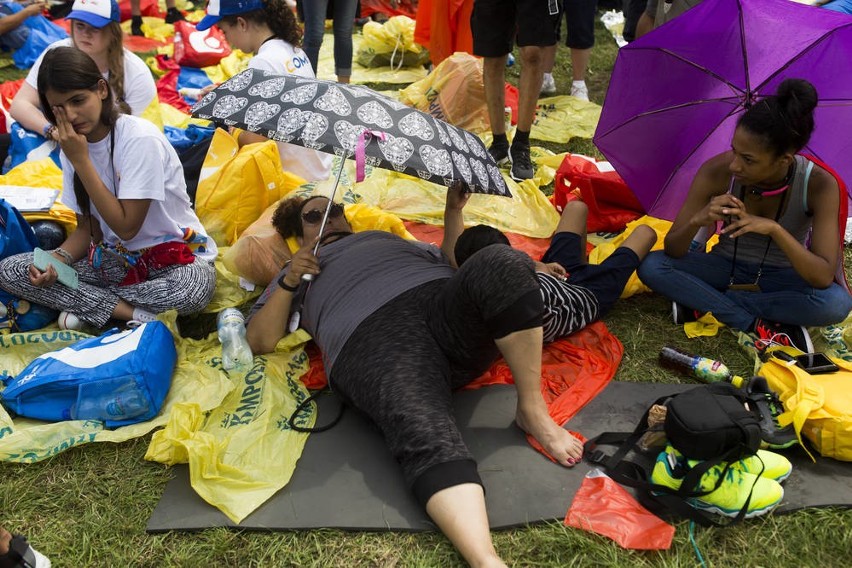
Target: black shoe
[[681, 314], [136, 26], [173, 15], [521, 163], [500, 153], [772, 333]]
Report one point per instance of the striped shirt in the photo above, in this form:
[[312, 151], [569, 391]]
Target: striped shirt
[[567, 307]]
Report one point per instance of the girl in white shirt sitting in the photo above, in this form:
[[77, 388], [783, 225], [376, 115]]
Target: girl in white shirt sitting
[[139, 248]]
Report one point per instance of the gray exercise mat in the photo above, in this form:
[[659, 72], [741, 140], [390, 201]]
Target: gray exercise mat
[[347, 479]]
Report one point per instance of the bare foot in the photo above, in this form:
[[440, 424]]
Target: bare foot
[[556, 441]]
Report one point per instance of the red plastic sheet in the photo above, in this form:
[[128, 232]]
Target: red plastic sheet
[[602, 506]]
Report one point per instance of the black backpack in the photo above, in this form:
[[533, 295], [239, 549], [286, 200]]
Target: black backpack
[[712, 423]]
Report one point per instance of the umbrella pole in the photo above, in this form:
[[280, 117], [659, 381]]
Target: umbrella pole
[[309, 277]]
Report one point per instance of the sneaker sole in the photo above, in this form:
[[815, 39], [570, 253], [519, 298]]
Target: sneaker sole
[[728, 513]]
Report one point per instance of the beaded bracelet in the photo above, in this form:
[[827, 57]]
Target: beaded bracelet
[[69, 260]]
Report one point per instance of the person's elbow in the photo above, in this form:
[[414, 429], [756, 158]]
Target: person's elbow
[[260, 343]]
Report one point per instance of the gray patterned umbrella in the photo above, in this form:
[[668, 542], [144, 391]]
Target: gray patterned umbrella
[[330, 117]]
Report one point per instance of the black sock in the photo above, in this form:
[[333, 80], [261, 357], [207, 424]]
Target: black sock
[[521, 138], [136, 20], [500, 140]]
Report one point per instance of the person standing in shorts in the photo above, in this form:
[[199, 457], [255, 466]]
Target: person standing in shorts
[[496, 26]]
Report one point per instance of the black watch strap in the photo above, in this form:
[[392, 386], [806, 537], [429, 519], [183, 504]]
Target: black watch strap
[[286, 286]]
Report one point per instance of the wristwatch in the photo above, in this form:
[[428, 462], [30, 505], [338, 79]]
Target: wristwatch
[[286, 286]]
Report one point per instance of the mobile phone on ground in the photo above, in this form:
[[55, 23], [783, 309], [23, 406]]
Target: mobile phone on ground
[[67, 275], [816, 363]]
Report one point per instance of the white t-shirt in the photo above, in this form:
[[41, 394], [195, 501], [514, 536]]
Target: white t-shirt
[[144, 166], [139, 87], [278, 56]]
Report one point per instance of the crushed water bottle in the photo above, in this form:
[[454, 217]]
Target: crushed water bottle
[[236, 352], [122, 403]]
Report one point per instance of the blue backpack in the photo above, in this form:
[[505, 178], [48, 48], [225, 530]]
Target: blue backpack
[[16, 236], [118, 378]]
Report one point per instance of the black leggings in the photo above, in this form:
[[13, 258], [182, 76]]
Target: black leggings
[[402, 363]]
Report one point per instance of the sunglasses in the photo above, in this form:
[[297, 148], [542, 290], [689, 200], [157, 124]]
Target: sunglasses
[[314, 216]]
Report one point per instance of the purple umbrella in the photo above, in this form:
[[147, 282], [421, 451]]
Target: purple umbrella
[[675, 94]]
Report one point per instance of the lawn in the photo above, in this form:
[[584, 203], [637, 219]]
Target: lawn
[[89, 506]]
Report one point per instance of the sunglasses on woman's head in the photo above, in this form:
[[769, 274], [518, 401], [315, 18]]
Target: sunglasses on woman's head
[[314, 216]]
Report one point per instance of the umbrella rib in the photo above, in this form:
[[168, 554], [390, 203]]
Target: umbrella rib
[[735, 100], [801, 53], [694, 149], [691, 64]]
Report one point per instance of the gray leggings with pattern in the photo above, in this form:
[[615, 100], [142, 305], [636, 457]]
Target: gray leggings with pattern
[[186, 288], [401, 364]]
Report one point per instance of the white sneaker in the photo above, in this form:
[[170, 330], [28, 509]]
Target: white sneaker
[[548, 85], [580, 91]]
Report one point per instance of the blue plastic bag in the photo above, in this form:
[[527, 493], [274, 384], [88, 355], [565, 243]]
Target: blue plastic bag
[[42, 33], [28, 145], [15, 38], [16, 236], [118, 378]]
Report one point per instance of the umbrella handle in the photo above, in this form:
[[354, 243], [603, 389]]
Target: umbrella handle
[[310, 277]]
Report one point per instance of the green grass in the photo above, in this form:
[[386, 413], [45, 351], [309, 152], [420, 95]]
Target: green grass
[[89, 505]]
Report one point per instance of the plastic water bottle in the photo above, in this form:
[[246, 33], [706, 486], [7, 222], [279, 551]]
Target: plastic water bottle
[[236, 352], [703, 368], [699, 241], [190, 93], [510, 60], [123, 403]]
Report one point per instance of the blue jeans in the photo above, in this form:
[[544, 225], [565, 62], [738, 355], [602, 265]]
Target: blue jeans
[[344, 21], [700, 281], [842, 6]]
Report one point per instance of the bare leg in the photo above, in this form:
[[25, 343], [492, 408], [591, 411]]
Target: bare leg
[[644, 25], [641, 240], [529, 87], [579, 62], [343, 79], [459, 511], [548, 58], [493, 69], [522, 351]]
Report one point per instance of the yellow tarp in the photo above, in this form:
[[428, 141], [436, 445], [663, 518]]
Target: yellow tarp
[[231, 429]]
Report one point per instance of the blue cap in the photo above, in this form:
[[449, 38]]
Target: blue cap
[[218, 8], [96, 13]]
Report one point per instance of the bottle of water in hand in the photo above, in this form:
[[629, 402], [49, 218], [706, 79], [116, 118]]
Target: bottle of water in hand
[[236, 352]]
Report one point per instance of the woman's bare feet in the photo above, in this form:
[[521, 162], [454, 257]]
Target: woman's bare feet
[[556, 441]]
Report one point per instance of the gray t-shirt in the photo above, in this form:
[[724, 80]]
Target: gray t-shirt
[[359, 274]]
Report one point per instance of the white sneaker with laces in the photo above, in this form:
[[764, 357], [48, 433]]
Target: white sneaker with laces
[[579, 90], [548, 85]]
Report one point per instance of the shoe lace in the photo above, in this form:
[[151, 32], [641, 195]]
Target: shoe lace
[[522, 159]]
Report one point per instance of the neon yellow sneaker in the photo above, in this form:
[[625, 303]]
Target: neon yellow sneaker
[[774, 466], [729, 498]]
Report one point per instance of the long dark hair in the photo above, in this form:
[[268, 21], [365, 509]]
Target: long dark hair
[[65, 69], [278, 16], [785, 120]]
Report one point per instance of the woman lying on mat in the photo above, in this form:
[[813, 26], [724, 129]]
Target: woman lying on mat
[[96, 31], [774, 269], [138, 248], [399, 329]]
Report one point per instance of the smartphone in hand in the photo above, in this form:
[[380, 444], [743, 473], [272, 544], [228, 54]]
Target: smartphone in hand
[[67, 275]]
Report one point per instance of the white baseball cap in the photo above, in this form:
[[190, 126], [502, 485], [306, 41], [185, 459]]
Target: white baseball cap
[[96, 13]]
